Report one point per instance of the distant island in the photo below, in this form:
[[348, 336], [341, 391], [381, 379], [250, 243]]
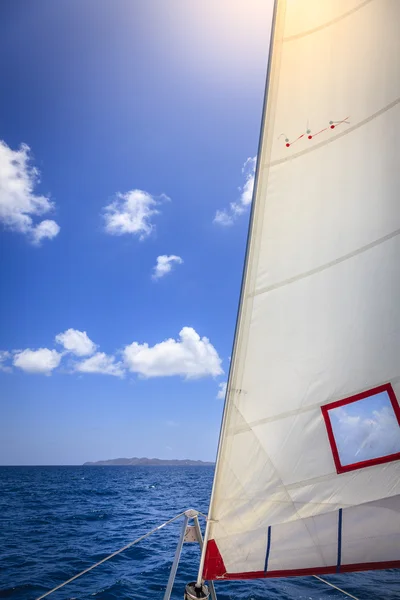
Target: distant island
[[154, 462]]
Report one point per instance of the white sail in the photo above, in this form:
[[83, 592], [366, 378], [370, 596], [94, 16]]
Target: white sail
[[308, 471]]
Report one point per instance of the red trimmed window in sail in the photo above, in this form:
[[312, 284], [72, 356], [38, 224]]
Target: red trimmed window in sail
[[364, 430]]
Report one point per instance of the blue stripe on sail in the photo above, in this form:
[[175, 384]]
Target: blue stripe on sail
[[268, 549], [339, 546]]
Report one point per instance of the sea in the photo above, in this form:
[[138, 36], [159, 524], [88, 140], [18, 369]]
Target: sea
[[57, 521]]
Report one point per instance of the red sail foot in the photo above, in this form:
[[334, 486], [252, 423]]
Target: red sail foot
[[214, 567]]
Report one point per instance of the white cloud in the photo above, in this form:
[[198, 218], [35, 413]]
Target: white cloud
[[77, 342], [164, 265], [365, 437], [42, 360], [4, 356], [100, 363], [189, 357], [45, 229], [132, 213], [222, 390], [228, 216], [222, 217], [18, 203], [249, 169]]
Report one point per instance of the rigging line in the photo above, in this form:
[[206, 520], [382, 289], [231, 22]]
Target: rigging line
[[139, 539], [291, 157], [203, 515], [297, 36], [335, 587]]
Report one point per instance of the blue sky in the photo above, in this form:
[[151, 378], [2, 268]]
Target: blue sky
[[142, 122]]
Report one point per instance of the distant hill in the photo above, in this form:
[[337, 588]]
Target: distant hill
[[148, 462]]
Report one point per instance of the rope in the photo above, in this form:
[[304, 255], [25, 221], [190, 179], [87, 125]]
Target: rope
[[335, 587], [111, 555], [202, 515]]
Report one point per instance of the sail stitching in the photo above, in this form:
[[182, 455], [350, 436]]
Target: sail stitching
[[321, 479], [297, 36], [380, 112], [301, 484], [290, 413], [291, 486], [328, 265]]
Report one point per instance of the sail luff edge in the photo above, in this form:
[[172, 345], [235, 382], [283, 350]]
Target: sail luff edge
[[244, 276]]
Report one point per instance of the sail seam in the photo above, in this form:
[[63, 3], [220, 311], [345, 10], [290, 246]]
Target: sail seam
[[290, 413], [268, 459], [328, 265], [380, 112], [321, 479], [283, 488], [297, 36]]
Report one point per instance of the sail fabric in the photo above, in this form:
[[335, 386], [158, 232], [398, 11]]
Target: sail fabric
[[319, 323]]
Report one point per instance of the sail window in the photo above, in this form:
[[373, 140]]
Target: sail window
[[364, 430]]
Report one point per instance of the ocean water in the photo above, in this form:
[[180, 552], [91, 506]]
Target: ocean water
[[56, 521]]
